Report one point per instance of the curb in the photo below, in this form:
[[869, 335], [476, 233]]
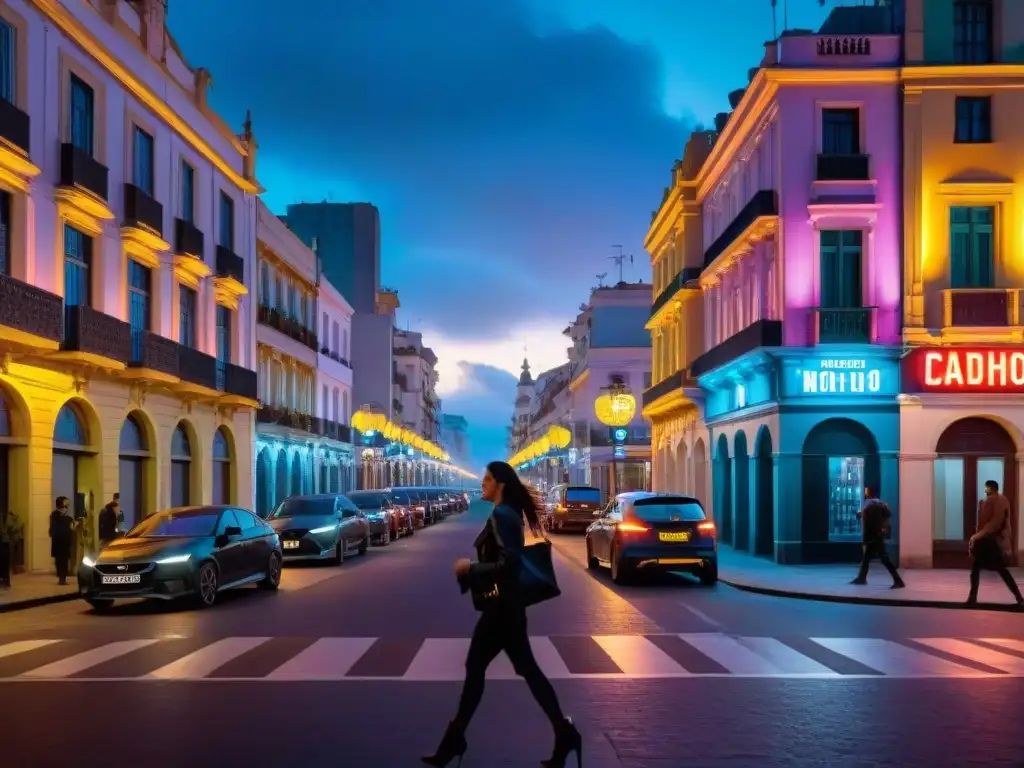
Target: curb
[[856, 600], [35, 602]]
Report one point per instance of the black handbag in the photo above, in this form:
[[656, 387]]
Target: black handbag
[[537, 581]]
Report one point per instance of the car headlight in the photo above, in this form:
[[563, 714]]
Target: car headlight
[[174, 559], [325, 529], [88, 562]]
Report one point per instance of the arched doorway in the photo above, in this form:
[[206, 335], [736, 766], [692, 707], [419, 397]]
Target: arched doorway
[[764, 503], [722, 474], [335, 479], [970, 452], [71, 443], [221, 467], [264, 490], [840, 462], [134, 454], [741, 491], [281, 476], [181, 467], [700, 468]]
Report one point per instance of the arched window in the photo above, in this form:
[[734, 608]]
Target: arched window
[[133, 439], [264, 284], [181, 446], [181, 468], [221, 467], [6, 427], [70, 427], [133, 450]]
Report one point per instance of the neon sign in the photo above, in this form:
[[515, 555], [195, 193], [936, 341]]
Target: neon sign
[[840, 376], [971, 369]]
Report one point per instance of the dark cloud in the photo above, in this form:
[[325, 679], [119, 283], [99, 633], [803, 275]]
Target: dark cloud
[[485, 397], [505, 161]]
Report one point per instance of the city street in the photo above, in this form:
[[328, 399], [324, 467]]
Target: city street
[[359, 665]]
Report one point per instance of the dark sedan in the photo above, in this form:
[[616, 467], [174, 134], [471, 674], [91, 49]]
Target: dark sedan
[[320, 527], [187, 551], [642, 532]]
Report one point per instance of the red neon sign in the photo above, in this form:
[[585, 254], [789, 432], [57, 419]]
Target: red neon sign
[[965, 369]]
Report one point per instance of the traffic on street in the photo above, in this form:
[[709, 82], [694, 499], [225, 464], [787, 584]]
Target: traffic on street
[[361, 665]]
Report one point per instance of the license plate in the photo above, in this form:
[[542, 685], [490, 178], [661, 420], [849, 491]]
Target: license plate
[[290, 544], [131, 578], [674, 536]]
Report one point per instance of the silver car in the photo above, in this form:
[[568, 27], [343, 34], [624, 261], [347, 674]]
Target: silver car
[[322, 527], [379, 511]]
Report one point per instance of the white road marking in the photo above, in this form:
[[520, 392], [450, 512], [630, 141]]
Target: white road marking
[[21, 646], [329, 658], [990, 658], [636, 655], [202, 662], [701, 615], [439, 659], [891, 658], [731, 654], [787, 659], [82, 661], [1011, 643]]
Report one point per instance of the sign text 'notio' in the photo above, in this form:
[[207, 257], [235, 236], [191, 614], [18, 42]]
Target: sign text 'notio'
[[840, 377]]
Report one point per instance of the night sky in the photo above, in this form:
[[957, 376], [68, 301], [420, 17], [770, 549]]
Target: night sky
[[508, 144]]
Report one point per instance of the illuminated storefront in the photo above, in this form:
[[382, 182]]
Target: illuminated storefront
[[798, 435], [962, 417]]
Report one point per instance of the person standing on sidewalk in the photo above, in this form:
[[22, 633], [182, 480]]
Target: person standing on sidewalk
[[108, 521], [992, 545], [62, 532], [875, 520]]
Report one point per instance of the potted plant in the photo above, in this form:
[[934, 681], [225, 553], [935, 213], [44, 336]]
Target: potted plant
[[12, 537]]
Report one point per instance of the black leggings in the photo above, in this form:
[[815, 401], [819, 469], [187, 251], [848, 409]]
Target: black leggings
[[498, 631]]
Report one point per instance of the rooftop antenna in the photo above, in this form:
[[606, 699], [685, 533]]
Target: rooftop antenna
[[600, 279], [620, 260], [775, 20]]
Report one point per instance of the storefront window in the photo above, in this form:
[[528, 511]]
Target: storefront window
[[845, 497], [949, 499]]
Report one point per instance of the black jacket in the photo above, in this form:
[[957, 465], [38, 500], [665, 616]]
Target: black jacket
[[875, 520], [108, 523], [499, 549], [62, 531]]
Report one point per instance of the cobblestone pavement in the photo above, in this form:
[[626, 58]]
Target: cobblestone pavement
[[359, 665]]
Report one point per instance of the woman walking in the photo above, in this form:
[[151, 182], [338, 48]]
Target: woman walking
[[494, 581]]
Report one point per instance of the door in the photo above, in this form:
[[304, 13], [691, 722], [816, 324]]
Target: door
[[65, 476], [231, 554], [604, 533], [180, 478], [255, 545], [221, 482], [130, 487]]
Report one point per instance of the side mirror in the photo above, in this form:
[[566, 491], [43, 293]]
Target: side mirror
[[232, 530]]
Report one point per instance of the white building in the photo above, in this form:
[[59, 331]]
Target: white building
[[336, 464], [416, 382], [126, 331], [455, 438]]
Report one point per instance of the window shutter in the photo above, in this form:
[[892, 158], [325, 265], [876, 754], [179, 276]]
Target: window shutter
[[959, 248]]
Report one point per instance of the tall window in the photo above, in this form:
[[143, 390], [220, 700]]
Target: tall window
[[334, 406], [972, 247], [82, 115], [264, 285], [840, 132], [223, 343], [325, 413], [226, 228], [142, 170], [334, 339], [972, 32], [344, 344], [8, 62], [973, 119], [841, 269], [138, 304], [325, 336], [186, 316], [5, 233], [77, 261], [188, 193]]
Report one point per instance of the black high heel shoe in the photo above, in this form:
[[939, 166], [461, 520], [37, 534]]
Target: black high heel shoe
[[567, 741], [452, 747]]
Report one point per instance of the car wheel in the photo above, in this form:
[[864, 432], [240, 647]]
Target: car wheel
[[709, 575], [364, 545], [99, 604], [620, 573], [207, 584], [592, 563], [273, 578], [339, 551]]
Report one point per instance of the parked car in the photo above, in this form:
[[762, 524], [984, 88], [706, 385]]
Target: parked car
[[407, 509], [431, 509], [379, 513], [642, 531], [320, 527], [193, 552], [572, 507]]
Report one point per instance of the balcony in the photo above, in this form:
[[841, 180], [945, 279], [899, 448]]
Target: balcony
[[276, 319], [188, 239], [286, 417], [677, 284], [845, 326], [142, 211], [81, 171], [196, 368], [153, 352], [91, 332], [35, 316], [662, 388], [762, 204], [763, 333], [843, 168], [239, 381], [230, 265], [980, 308], [15, 126]]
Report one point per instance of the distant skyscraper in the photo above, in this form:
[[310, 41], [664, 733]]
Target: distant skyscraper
[[347, 239]]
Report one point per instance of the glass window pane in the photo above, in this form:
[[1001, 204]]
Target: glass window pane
[[988, 469], [181, 447], [186, 316], [81, 115], [69, 428], [948, 499], [845, 497], [8, 62], [188, 193], [142, 176]]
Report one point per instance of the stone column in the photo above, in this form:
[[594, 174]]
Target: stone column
[[915, 519], [789, 511]]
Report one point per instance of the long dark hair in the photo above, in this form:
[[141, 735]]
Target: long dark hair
[[521, 497]]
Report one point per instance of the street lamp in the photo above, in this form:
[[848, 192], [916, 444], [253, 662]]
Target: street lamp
[[615, 407]]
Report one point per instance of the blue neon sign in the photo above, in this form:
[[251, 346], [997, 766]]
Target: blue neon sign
[[620, 435]]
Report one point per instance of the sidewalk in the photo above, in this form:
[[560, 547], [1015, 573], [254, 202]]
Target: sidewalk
[[931, 588], [28, 590]]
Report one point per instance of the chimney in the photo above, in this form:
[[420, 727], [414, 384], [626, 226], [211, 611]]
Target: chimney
[[249, 142], [721, 119], [203, 80], [154, 33]]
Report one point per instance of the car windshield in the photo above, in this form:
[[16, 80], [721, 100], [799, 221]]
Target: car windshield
[[661, 509], [587, 495], [304, 507], [177, 522], [368, 500], [399, 498]]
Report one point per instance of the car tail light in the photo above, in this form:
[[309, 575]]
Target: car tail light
[[632, 528], [707, 528]]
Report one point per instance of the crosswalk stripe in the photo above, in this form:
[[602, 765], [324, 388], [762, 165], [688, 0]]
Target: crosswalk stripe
[[892, 658], [731, 654], [786, 659], [548, 658], [329, 658], [21, 646], [439, 659], [202, 662], [1005, 642], [636, 655], [980, 654], [82, 661]]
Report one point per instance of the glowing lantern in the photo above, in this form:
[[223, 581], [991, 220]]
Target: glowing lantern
[[391, 431], [616, 406], [359, 420], [559, 437], [543, 446]]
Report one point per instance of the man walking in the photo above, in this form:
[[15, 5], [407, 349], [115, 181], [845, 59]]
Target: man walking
[[992, 545], [875, 520], [109, 519]]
